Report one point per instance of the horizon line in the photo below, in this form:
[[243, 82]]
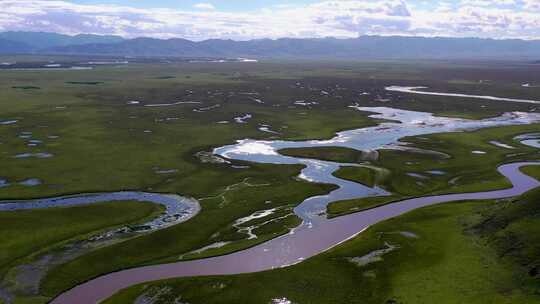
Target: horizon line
[[280, 38]]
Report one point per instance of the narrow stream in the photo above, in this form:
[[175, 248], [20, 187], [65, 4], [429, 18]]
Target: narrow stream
[[532, 140], [416, 90], [177, 208]]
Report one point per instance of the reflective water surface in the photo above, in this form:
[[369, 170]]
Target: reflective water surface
[[317, 233], [303, 243]]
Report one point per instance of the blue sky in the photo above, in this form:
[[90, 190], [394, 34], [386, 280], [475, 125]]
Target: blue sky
[[254, 19]]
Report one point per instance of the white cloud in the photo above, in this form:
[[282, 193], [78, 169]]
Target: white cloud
[[339, 18], [487, 2], [204, 6], [532, 4]]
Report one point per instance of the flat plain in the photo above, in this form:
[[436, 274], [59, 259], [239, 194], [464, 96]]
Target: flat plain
[[152, 127]]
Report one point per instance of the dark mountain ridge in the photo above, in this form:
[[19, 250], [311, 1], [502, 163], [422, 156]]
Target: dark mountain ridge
[[364, 47]]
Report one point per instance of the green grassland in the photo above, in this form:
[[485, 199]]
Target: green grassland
[[464, 252], [27, 234], [101, 143]]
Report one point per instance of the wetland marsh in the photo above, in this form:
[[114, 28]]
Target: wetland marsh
[[341, 143]]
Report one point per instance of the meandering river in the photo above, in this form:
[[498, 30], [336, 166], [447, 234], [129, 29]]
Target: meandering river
[[287, 250], [317, 233], [400, 123], [177, 208]]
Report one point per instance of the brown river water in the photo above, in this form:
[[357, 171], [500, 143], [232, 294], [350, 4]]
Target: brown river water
[[287, 250]]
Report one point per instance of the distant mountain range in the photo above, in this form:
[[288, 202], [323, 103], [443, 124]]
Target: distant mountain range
[[37, 41], [364, 47]]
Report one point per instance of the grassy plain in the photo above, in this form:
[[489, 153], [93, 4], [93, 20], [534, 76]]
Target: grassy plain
[[26, 234], [100, 142]]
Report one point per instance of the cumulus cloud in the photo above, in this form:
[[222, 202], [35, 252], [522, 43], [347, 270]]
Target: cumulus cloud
[[532, 4], [204, 6], [338, 18]]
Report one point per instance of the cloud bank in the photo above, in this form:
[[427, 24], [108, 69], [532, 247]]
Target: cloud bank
[[336, 18]]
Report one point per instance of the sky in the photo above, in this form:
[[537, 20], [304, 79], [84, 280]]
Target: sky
[[256, 19]]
